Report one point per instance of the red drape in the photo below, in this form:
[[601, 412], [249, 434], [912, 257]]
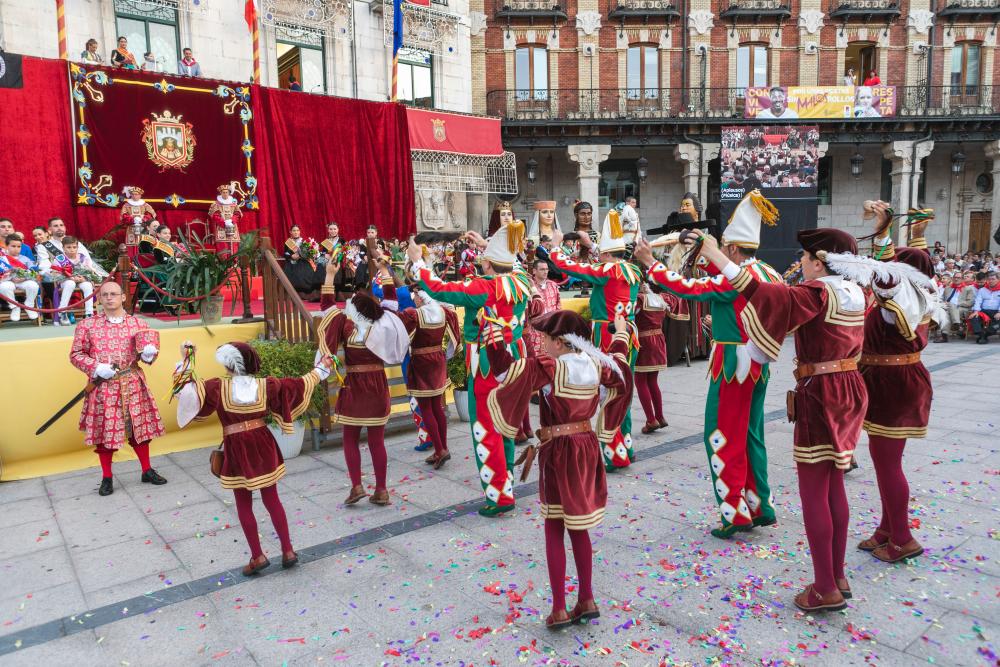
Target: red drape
[[327, 159]]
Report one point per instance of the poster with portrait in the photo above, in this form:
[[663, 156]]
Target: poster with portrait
[[780, 160], [793, 102]]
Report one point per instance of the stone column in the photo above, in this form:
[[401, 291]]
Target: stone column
[[477, 212], [905, 173], [992, 150], [810, 24], [695, 176], [589, 159]]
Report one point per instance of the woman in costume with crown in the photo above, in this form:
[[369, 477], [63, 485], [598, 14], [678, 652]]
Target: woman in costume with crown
[[503, 215], [575, 380], [251, 460], [543, 222]]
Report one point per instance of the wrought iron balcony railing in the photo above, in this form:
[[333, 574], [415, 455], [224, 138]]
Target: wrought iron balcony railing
[[755, 10], [969, 9], [655, 104], [531, 9], [662, 9]]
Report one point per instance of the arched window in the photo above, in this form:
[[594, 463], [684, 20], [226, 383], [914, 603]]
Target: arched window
[[965, 72], [531, 73], [642, 72], [752, 66]]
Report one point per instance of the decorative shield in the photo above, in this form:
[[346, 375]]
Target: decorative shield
[[439, 133], [169, 141]]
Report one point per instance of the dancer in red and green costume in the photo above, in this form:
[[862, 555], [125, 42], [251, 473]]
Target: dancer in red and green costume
[[734, 408], [615, 288], [494, 308]]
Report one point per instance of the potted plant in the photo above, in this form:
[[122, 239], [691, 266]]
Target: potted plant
[[459, 377], [281, 359], [202, 270]]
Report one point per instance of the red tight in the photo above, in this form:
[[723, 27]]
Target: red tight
[[376, 446], [435, 423], [141, 450], [650, 397], [555, 556], [826, 515], [244, 509], [887, 455]]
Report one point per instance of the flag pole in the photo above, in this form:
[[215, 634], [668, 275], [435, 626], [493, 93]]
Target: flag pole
[[256, 52], [61, 23]]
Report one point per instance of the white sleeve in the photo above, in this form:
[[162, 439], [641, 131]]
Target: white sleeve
[[730, 271], [188, 404]]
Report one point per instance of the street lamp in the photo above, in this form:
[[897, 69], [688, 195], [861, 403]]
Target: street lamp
[[957, 161], [532, 167], [857, 163], [642, 166]]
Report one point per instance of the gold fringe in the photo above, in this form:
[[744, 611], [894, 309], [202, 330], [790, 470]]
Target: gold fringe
[[614, 225], [768, 212], [515, 237]]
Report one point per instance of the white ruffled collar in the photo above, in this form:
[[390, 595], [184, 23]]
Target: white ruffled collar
[[136, 202], [227, 201], [115, 320], [432, 312], [850, 295], [244, 389]]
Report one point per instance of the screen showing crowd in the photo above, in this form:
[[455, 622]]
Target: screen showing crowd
[[772, 158]]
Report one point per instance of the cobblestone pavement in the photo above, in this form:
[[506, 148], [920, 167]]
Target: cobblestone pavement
[[149, 576]]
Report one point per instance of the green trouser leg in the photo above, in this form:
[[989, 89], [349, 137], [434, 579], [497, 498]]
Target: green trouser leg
[[758, 491]]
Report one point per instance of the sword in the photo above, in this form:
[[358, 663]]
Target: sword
[[73, 401]]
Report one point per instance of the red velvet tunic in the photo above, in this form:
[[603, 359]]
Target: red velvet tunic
[[427, 374], [829, 408], [251, 459], [364, 399], [572, 484], [652, 354]]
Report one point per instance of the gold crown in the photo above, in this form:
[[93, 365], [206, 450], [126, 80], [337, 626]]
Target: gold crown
[[135, 191], [503, 205], [224, 186]]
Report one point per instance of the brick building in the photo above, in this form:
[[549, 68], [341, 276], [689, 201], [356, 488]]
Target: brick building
[[588, 87]]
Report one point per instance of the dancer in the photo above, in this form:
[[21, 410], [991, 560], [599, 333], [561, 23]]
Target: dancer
[[372, 339], [651, 309], [575, 378], [108, 349], [251, 460], [899, 386], [827, 313], [428, 325], [734, 408], [615, 284], [494, 308]]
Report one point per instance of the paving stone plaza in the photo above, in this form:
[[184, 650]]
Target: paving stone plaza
[[150, 576]]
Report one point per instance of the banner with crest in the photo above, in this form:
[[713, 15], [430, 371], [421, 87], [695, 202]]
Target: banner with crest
[[178, 138]]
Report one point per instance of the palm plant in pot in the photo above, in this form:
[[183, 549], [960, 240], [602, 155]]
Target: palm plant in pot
[[281, 359], [459, 378], [203, 270]]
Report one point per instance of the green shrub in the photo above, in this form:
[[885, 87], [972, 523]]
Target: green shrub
[[281, 359], [456, 369]]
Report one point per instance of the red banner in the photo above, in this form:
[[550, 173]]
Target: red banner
[[178, 138], [453, 133]]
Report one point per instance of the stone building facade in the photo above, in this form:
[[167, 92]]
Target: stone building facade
[[586, 87]]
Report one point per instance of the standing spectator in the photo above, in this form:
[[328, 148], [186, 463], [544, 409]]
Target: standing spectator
[[149, 63], [90, 54], [293, 83], [873, 79], [850, 79], [985, 310], [122, 57], [188, 66], [15, 270]]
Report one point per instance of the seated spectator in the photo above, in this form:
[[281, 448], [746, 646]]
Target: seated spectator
[[72, 271], [165, 250], [122, 57], [57, 232], [17, 271], [6, 229], [986, 309], [188, 66], [90, 54]]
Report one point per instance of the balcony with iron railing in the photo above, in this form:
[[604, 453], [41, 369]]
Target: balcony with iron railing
[[642, 105], [756, 11], [969, 9], [548, 10], [645, 10], [865, 10]]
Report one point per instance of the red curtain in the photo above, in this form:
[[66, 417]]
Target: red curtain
[[327, 159]]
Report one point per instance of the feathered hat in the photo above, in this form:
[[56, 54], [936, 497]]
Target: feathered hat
[[505, 244], [743, 229], [239, 358], [828, 240], [611, 234], [575, 331]]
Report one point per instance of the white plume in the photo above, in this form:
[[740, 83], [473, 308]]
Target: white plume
[[865, 271], [230, 358], [583, 345]]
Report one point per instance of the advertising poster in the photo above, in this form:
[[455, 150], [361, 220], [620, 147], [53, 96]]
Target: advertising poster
[[794, 102]]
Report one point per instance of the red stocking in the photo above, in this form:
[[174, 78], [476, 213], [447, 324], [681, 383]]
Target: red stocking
[[555, 557], [814, 491], [656, 396], [105, 455], [244, 510], [277, 511], [887, 456], [583, 555], [436, 429], [380, 459], [642, 388], [352, 454], [840, 513], [141, 450]]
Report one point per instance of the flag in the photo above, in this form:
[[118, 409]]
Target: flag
[[397, 40], [250, 14], [11, 72]]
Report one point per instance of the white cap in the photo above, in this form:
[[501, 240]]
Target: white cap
[[611, 233], [505, 244], [743, 229]]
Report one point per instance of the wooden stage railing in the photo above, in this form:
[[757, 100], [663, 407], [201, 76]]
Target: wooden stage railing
[[285, 316]]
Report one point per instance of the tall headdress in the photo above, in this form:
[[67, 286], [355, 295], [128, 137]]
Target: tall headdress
[[744, 224], [611, 233], [505, 244], [535, 228]]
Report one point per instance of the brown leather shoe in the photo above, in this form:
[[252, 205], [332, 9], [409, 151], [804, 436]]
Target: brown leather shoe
[[558, 620], [585, 611], [649, 428], [890, 553], [289, 559], [877, 539], [356, 494], [380, 497], [811, 600], [432, 459], [844, 587], [664, 424], [256, 565], [444, 458]]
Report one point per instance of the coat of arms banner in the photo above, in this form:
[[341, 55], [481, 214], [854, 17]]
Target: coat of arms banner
[[178, 138]]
